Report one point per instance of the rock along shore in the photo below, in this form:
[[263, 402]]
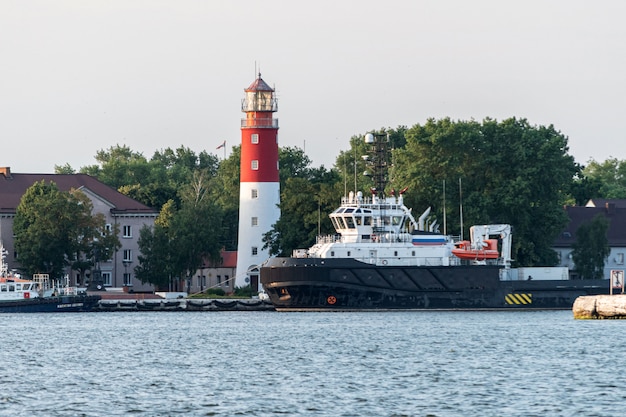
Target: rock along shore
[[600, 307]]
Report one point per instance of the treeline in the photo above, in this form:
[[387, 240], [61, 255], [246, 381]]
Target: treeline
[[505, 172]]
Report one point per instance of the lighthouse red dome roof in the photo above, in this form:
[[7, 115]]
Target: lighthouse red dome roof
[[259, 85]]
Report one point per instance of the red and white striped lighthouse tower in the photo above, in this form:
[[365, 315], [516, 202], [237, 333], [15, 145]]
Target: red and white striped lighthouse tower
[[259, 187]]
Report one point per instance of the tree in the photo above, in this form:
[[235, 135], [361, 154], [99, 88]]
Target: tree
[[591, 248], [611, 177], [511, 172], [224, 191], [156, 265], [181, 239], [307, 196], [55, 229]]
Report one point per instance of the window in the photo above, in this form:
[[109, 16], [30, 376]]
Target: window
[[255, 221], [255, 193], [128, 281], [254, 138], [255, 251], [255, 165], [619, 259], [225, 280], [106, 278], [128, 255], [219, 280], [127, 232]]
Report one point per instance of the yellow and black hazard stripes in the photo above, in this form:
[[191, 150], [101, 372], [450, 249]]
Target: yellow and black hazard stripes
[[518, 298]]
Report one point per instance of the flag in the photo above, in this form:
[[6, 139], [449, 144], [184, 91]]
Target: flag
[[222, 145]]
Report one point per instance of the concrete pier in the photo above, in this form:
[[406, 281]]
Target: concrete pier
[[600, 307]]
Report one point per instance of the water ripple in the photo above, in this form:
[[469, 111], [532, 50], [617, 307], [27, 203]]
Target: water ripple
[[435, 364]]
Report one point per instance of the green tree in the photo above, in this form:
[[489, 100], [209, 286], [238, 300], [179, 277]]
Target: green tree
[[224, 191], [194, 225], [509, 171], [64, 169], [181, 239], [611, 177], [156, 258], [55, 229], [591, 248], [119, 166]]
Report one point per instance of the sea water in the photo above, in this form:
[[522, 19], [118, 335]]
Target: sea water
[[311, 364]]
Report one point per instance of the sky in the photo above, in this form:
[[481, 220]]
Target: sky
[[78, 76]]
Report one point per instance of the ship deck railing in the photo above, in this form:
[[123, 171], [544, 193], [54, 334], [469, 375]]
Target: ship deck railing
[[381, 239]]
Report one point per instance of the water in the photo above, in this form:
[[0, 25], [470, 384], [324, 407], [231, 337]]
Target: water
[[311, 364]]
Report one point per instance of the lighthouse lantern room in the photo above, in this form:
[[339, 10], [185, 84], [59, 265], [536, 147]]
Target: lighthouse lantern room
[[259, 192]]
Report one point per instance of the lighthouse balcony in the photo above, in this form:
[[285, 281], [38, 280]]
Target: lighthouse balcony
[[259, 123]]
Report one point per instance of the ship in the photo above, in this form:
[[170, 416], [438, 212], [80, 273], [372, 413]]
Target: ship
[[40, 294], [382, 258]]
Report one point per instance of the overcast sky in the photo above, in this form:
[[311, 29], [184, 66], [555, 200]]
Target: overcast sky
[[77, 76]]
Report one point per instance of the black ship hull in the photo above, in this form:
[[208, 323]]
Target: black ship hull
[[59, 304], [304, 284]]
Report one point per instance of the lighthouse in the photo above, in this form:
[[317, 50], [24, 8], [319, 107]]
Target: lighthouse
[[259, 187]]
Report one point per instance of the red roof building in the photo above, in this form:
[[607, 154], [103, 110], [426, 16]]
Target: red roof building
[[119, 209]]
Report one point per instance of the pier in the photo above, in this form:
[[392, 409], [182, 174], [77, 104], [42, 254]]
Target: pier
[[152, 302], [600, 307]]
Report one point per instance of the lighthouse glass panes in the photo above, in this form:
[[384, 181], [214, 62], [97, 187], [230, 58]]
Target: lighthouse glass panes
[[255, 164], [254, 138], [259, 101]]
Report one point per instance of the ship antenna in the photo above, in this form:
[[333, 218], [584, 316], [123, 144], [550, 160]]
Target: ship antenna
[[355, 190], [461, 206], [445, 228]]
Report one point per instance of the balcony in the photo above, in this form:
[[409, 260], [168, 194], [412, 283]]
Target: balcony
[[259, 123]]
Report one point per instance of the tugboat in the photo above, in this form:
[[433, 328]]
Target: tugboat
[[39, 295], [381, 258]]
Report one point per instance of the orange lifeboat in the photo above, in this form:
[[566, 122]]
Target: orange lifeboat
[[464, 250]]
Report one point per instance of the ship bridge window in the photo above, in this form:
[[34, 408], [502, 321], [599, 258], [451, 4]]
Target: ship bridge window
[[349, 210], [3, 288], [349, 221], [358, 220], [396, 220], [336, 224], [367, 220]]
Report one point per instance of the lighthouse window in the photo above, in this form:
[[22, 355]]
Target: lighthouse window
[[255, 221], [255, 164], [255, 138], [255, 251], [255, 193]]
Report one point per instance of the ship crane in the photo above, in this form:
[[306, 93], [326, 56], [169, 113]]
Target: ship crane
[[480, 236]]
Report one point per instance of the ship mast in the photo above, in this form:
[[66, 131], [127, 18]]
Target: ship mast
[[377, 161]]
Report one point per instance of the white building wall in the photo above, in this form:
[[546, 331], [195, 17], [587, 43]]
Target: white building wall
[[267, 212]]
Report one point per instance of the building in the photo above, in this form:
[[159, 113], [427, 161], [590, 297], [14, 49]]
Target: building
[[215, 276], [612, 210], [259, 191], [129, 215]]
